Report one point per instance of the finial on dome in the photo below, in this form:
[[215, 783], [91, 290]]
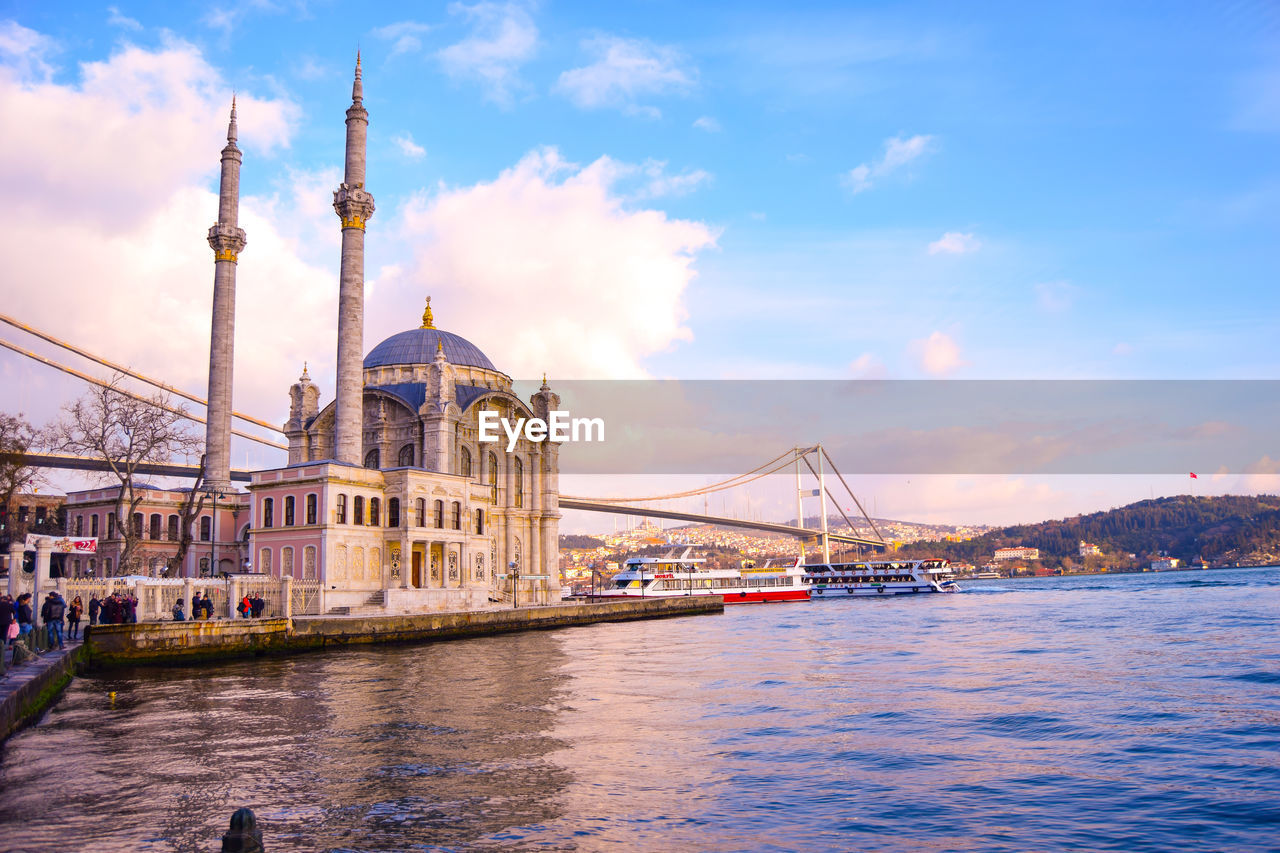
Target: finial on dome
[[439, 349], [545, 386], [231, 127], [428, 322], [305, 377]]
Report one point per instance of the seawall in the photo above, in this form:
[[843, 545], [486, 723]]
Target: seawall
[[32, 686], [189, 642]]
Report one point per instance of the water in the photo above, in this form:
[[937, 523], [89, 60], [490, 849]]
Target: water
[[1136, 712]]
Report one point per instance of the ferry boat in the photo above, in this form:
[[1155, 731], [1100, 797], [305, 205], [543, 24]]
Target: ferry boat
[[680, 574], [881, 578]]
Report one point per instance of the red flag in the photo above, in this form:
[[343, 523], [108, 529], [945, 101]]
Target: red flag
[[1193, 476]]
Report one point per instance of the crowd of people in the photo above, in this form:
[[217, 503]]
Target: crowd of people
[[251, 606], [115, 609]]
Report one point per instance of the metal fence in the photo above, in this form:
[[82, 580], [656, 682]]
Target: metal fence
[[306, 597]]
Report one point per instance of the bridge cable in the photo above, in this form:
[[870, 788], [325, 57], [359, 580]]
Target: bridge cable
[[18, 324], [857, 502], [852, 528], [96, 381], [739, 480]]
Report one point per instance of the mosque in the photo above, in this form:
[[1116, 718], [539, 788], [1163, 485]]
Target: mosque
[[389, 499]]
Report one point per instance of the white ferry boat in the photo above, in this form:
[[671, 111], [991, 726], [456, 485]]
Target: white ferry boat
[[672, 574], [894, 577]]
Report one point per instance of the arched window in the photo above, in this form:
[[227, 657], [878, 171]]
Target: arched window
[[464, 463], [79, 525], [357, 510], [154, 531], [422, 512], [493, 478], [457, 516], [206, 528], [375, 512], [517, 477], [111, 525], [173, 529], [439, 514], [93, 525], [137, 524], [288, 511], [393, 512], [341, 511], [264, 561], [268, 512], [479, 522], [311, 509], [406, 456], [286, 561], [371, 459]]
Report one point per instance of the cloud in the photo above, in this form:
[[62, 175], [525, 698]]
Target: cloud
[[116, 19], [867, 366], [954, 243], [707, 123], [1055, 296], [588, 286], [503, 36], [624, 70], [409, 148], [937, 355], [25, 52], [114, 236], [405, 36], [898, 152]]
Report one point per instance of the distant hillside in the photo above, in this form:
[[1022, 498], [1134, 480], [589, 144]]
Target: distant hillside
[[1226, 529], [577, 540]]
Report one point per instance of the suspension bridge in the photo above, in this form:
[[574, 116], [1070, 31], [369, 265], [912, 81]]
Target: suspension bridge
[[814, 459]]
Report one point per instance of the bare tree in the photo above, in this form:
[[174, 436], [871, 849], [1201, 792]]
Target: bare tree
[[126, 432], [17, 439], [188, 512]]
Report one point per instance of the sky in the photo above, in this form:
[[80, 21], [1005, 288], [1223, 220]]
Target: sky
[[653, 189]]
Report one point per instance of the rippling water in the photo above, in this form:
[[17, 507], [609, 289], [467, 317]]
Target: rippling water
[[1135, 712]]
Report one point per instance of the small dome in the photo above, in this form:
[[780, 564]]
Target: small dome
[[418, 346]]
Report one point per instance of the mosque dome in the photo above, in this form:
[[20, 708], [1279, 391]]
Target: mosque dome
[[418, 346]]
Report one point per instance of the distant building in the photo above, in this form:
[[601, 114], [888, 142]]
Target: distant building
[[1164, 564], [1018, 553], [1088, 549]]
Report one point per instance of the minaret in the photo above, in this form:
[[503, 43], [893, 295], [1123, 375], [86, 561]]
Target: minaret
[[354, 206], [226, 240]]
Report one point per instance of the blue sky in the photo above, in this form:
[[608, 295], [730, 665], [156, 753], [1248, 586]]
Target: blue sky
[[904, 190]]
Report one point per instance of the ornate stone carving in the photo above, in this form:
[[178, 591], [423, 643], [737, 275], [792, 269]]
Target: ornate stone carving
[[357, 564], [479, 567], [453, 565], [353, 205], [226, 241], [309, 562]]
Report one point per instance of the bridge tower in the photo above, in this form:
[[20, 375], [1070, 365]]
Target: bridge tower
[[227, 240], [354, 206]]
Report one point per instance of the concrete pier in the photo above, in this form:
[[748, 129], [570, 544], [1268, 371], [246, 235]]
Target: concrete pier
[[188, 642], [27, 689]]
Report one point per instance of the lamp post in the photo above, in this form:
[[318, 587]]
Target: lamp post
[[215, 495], [515, 583]]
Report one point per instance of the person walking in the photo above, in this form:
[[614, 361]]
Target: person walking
[[74, 610], [6, 621], [52, 612], [26, 616], [95, 606]]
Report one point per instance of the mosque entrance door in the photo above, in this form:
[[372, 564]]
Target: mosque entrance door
[[417, 569]]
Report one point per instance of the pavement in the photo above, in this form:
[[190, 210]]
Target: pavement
[[16, 677]]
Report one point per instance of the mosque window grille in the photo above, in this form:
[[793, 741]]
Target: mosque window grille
[[357, 510], [288, 511], [421, 510], [372, 459], [286, 561], [517, 499], [479, 522], [340, 511], [457, 515], [439, 515], [405, 459], [464, 462], [264, 560], [393, 512], [375, 512], [493, 478], [311, 508], [309, 562]]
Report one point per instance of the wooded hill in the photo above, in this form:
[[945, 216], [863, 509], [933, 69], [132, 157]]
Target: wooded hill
[[1224, 529]]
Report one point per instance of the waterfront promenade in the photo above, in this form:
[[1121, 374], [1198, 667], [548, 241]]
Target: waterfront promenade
[[26, 689]]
